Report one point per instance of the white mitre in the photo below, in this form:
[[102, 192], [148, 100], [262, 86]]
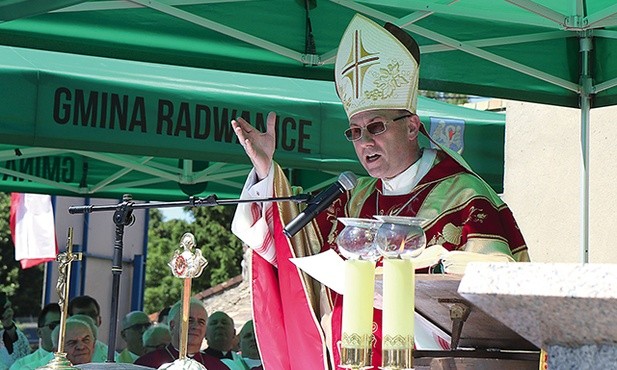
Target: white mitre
[[375, 69]]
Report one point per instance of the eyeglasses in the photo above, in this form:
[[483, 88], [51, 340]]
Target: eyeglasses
[[141, 326], [374, 128], [52, 325]]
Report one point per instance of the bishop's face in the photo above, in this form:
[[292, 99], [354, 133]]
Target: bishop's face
[[389, 153]]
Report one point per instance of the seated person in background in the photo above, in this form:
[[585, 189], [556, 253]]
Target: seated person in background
[[163, 316], [88, 306], [250, 358], [156, 337], [235, 343], [134, 324], [196, 333], [48, 319], [220, 335], [79, 340], [14, 344], [95, 331]]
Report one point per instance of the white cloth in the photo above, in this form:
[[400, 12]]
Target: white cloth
[[251, 220], [34, 229], [404, 182], [21, 348]]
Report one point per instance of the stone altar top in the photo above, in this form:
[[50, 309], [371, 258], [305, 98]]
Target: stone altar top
[[547, 303]]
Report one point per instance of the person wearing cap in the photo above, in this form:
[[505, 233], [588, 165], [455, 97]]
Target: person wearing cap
[[220, 335], [80, 334], [156, 337], [14, 343], [87, 305], [376, 78], [249, 357], [48, 319], [133, 325], [197, 320]]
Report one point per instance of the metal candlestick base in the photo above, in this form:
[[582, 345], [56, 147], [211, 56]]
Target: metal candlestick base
[[59, 362], [355, 358], [397, 359]]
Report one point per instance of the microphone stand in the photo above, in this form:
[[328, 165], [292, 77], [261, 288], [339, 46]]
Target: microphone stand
[[123, 216]]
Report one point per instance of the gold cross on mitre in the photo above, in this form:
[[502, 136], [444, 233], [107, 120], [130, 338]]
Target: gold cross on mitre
[[358, 61]]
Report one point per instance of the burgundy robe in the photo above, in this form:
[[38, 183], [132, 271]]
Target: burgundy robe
[[169, 354]]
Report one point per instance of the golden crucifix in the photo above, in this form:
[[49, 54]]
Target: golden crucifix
[[62, 287]]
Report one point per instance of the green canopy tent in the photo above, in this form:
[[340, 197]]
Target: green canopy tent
[[518, 49], [90, 126], [552, 51]]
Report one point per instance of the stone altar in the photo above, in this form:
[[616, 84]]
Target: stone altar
[[568, 310]]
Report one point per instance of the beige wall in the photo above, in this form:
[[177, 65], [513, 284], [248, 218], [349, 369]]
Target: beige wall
[[543, 180]]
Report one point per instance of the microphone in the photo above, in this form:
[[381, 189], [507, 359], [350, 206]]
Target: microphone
[[346, 181]]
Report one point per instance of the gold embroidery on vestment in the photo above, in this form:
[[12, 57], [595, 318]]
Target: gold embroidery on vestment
[[452, 234], [476, 215]]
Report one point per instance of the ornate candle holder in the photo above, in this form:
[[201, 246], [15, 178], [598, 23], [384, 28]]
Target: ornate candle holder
[[355, 242], [186, 265], [398, 239]]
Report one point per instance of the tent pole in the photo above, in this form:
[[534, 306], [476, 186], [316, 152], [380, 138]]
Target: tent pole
[[585, 103]]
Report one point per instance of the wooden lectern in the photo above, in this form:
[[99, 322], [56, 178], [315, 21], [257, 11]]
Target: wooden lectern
[[477, 340]]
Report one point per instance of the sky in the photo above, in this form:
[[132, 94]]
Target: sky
[[176, 213]]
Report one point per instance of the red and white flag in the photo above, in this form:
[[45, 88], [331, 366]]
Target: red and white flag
[[33, 229]]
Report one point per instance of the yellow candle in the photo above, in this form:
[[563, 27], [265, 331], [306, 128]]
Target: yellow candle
[[398, 303], [358, 303]]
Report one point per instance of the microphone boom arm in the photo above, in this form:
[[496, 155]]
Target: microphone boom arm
[[123, 216]]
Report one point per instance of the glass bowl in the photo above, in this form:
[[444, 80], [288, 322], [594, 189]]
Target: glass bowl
[[400, 236], [356, 239]]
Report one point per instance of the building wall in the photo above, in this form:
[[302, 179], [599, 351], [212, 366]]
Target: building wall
[[96, 232], [542, 181]]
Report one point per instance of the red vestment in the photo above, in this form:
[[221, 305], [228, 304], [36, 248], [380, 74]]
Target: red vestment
[[295, 326]]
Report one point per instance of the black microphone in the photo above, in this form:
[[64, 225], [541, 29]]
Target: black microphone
[[346, 181]]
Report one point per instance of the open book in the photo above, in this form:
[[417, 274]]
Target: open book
[[454, 262]]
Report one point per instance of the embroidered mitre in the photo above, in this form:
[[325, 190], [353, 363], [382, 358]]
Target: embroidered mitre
[[376, 67]]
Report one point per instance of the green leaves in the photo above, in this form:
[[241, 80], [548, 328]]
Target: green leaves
[[212, 235]]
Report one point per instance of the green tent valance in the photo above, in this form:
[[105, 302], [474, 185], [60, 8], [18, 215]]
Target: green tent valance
[[80, 125]]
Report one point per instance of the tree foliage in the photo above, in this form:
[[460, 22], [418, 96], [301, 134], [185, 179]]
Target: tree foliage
[[212, 234], [450, 98], [24, 287], [218, 245]]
